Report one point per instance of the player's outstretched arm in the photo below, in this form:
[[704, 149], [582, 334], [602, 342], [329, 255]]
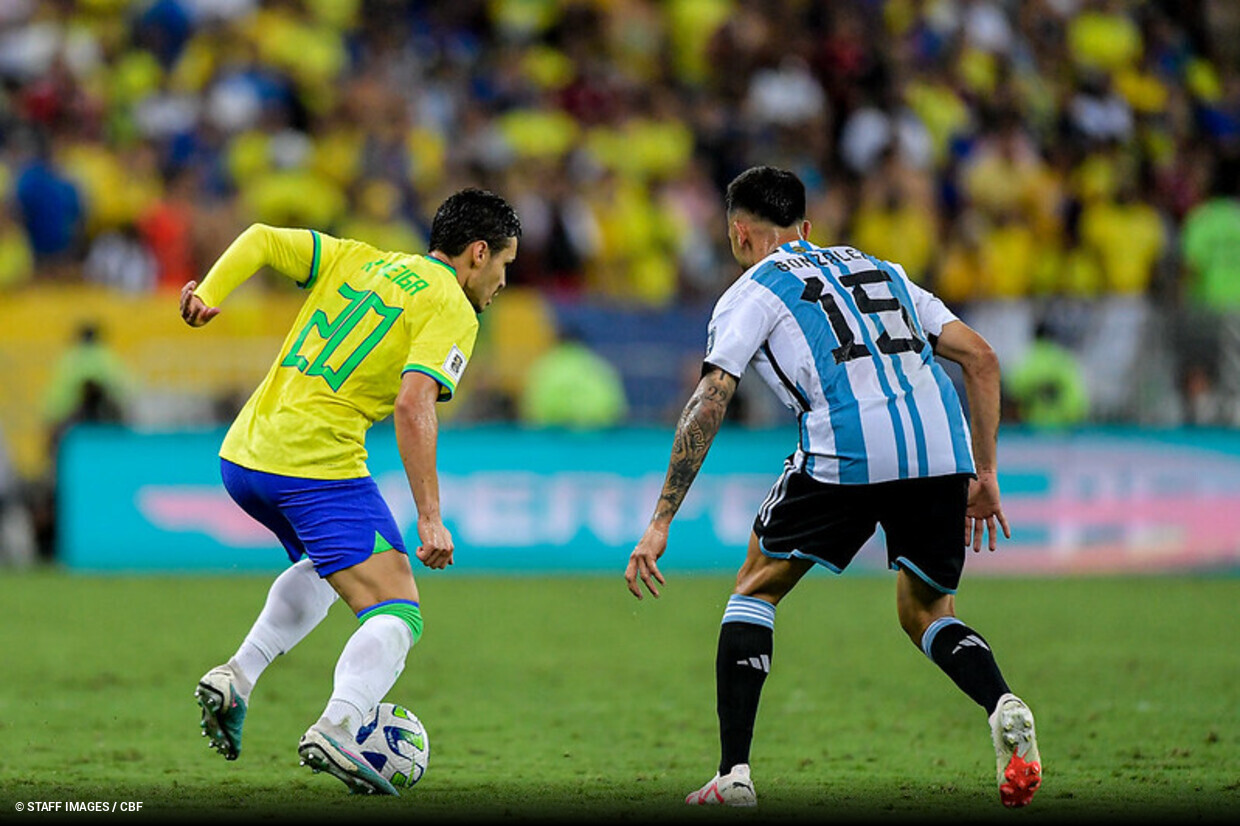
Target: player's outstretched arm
[[980, 366], [699, 423], [417, 435]]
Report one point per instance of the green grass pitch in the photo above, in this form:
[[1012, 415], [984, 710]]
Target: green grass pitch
[[566, 699]]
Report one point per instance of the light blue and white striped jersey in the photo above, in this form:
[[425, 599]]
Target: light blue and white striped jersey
[[843, 339]]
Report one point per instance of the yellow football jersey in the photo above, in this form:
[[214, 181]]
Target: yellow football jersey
[[370, 316]]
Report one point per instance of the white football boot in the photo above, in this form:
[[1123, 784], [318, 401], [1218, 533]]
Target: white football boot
[[327, 748], [1016, 751], [223, 710], [732, 789]]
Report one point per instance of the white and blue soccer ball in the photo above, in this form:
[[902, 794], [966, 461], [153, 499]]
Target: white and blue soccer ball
[[393, 740]]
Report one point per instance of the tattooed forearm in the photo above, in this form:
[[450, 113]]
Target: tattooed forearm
[[699, 422]]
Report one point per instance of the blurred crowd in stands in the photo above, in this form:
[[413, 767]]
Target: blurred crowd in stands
[[1064, 173]]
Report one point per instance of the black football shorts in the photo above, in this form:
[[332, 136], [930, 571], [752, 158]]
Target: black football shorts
[[922, 520]]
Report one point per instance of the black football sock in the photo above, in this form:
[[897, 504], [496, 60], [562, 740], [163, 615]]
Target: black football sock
[[967, 659], [742, 662]]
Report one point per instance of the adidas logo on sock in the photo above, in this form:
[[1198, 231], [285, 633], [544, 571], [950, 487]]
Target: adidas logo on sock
[[971, 640], [762, 663]]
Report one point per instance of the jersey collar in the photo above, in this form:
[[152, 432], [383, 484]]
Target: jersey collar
[[443, 264]]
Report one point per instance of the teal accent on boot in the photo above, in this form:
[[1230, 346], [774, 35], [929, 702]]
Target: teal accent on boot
[[223, 711]]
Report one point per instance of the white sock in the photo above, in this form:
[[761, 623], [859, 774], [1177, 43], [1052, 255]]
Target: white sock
[[371, 661], [297, 602]]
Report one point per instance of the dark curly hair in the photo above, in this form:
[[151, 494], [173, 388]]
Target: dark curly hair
[[774, 195], [473, 215]]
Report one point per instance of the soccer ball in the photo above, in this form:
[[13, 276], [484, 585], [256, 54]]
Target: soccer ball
[[393, 740]]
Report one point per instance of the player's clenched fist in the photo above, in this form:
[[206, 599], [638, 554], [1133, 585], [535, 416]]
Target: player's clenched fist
[[437, 547]]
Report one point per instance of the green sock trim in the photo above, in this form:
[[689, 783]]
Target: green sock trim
[[403, 609]]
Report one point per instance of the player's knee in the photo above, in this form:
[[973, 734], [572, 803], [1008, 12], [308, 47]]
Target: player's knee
[[768, 579], [914, 625], [915, 617], [918, 605], [918, 623], [403, 609]]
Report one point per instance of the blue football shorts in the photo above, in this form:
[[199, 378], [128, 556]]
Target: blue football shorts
[[337, 523], [922, 519]]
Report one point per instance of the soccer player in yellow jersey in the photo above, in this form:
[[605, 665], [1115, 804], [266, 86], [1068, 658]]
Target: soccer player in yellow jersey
[[380, 333]]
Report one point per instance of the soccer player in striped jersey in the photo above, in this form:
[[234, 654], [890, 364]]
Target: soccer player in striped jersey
[[848, 343], [380, 333]]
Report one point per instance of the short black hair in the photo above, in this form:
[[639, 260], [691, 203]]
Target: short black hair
[[473, 215], [774, 195]]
